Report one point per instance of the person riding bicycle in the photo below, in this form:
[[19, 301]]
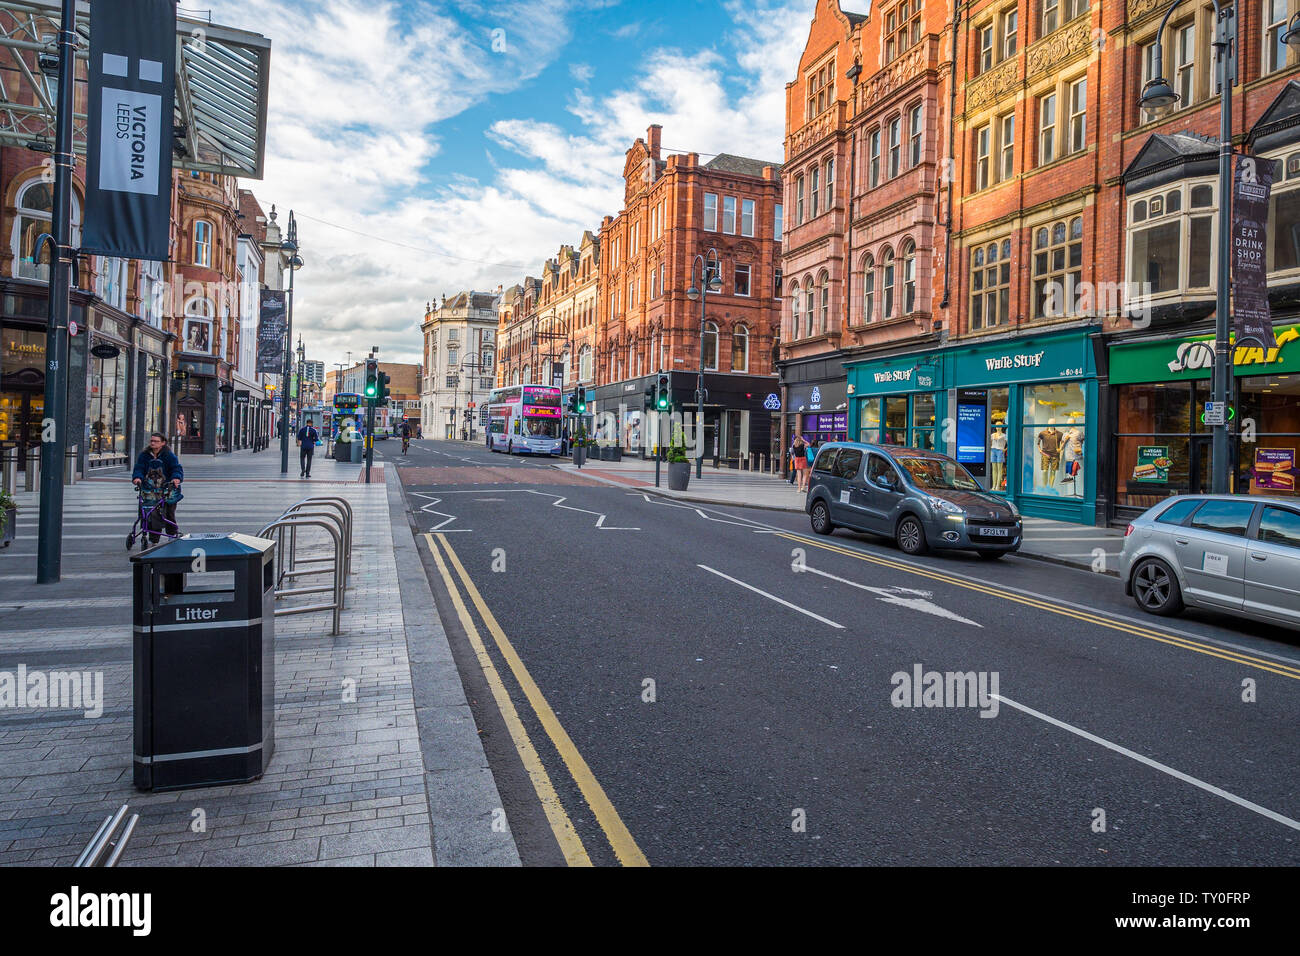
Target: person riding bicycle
[[404, 430], [159, 457]]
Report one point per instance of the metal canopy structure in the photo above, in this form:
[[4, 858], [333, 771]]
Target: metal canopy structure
[[222, 77]]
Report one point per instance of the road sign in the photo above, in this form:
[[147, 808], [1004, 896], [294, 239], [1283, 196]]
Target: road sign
[[72, 326], [472, 405], [1216, 413]]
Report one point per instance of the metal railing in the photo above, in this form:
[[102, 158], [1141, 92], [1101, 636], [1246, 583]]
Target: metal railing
[[333, 514], [93, 854]]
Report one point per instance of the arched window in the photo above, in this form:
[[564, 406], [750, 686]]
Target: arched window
[[792, 332], [34, 205], [710, 347], [824, 297], [909, 277], [868, 289], [203, 243], [546, 372], [740, 349], [809, 305], [584, 363], [887, 284], [528, 375], [198, 326], [568, 367]]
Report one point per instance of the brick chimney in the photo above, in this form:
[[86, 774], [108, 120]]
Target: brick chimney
[[652, 139]]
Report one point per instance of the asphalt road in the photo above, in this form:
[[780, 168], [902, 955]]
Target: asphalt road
[[660, 683]]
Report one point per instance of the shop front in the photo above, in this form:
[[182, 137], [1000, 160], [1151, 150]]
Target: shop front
[[737, 423], [1019, 414], [819, 412], [1161, 445]]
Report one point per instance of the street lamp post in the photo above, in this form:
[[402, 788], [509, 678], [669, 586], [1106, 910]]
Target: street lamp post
[[290, 245], [1156, 94], [710, 281], [49, 544], [302, 353]]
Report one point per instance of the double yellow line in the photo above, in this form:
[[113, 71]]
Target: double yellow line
[[620, 840], [1210, 650]]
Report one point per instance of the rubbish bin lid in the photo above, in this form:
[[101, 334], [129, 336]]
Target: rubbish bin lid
[[227, 545]]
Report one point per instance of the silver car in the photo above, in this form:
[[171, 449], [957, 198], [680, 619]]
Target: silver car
[[920, 498], [1233, 553]]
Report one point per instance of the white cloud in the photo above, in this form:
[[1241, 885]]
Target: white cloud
[[362, 92]]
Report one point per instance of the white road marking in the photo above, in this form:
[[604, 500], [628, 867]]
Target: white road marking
[[429, 509], [892, 596], [772, 597], [1154, 764]]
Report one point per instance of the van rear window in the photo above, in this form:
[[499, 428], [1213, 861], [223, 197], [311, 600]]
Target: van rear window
[[826, 459]]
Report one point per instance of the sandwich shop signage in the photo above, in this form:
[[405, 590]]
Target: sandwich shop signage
[[1171, 360]]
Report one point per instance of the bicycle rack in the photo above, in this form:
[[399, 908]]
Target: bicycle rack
[[290, 563], [330, 524], [93, 854]]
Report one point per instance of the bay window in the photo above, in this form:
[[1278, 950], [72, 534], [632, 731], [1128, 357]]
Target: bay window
[[1171, 239]]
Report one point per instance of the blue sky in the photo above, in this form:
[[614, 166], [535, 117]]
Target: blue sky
[[431, 147]]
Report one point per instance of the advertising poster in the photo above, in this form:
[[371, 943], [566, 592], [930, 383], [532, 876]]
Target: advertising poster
[[1251, 184], [270, 331], [970, 434], [1152, 463], [1275, 469]]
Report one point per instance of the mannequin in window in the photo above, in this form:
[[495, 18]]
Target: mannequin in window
[[1049, 449], [1072, 457], [998, 458]]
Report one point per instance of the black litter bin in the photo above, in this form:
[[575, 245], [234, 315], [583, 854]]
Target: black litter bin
[[204, 654]]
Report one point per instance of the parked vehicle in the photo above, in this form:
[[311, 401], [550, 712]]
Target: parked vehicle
[[921, 499], [1236, 553]]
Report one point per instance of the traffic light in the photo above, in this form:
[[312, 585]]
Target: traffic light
[[663, 393], [382, 381], [581, 397], [650, 394], [372, 379]]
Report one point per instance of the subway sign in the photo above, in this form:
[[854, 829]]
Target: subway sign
[[1193, 358]]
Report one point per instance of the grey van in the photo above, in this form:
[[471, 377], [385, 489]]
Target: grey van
[[920, 498]]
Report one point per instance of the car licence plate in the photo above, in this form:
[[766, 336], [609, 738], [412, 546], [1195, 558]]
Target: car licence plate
[[995, 532]]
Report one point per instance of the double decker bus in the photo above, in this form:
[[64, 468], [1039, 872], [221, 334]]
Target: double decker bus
[[524, 419], [347, 406]]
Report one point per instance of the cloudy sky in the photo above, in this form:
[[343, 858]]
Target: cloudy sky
[[430, 147]]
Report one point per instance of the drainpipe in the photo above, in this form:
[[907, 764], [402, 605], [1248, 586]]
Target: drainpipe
[[952, 165], [853, 74]]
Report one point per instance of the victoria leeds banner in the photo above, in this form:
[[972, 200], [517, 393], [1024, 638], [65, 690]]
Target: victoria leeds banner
[[129, 120], [1251, 182], [270, 332]]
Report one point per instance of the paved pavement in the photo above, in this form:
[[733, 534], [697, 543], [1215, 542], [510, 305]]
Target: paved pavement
[[397, 776], [1057, 541]]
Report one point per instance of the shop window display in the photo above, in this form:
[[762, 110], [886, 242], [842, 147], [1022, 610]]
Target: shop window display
[[1054, 425], [869, 421], [896, 420], [999, 402], [923, 421]]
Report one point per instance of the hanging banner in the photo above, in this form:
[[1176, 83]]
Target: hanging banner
[[132, 77], [1251, 182], [270, 332]]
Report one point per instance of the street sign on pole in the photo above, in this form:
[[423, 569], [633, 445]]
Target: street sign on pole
[[1216, 413]]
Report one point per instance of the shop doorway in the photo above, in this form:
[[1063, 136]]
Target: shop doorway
[[189, 425], [1200, 457], [20, 422]]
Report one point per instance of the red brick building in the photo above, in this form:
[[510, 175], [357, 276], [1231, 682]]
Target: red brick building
[[675, 208], [866, 135]]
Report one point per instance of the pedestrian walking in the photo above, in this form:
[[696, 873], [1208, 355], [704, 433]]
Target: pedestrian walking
[[307, 438], [158, 456], [799, 459]]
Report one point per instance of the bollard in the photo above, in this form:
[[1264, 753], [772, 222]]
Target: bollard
[[70, 466], [9, 470], [33, 476]]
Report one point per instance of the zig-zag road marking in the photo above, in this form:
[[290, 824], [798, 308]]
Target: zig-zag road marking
[[600, 518], [743, 523], [429, 509]]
